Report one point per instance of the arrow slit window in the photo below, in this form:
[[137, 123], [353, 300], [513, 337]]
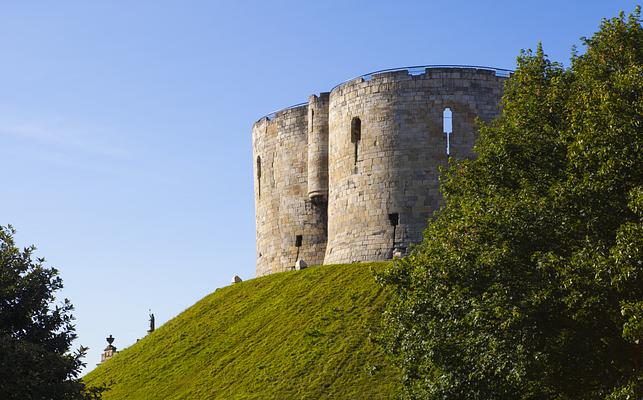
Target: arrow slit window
[[447, 127], [356, 136]]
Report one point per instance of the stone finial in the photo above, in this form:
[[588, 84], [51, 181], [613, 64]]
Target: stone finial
[[109, 351], [236, 279], [300, 264]]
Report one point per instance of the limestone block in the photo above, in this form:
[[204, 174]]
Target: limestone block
[[300, 264]]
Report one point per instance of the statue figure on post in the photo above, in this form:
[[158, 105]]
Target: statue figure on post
[[151, 322]]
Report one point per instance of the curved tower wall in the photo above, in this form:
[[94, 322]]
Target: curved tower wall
[[383, 186], [318, 147], [283, 209]]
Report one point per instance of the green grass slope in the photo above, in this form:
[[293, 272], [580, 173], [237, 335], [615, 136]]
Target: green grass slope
[[292, 335]]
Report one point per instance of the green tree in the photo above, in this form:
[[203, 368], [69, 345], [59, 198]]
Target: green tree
[[35, 334], [528, 283]]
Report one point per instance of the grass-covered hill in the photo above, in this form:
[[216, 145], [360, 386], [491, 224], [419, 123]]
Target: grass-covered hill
[[293, 335]]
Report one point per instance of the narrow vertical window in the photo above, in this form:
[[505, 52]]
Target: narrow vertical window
[[356, 135], [259, 175], [394, 219], [312, 120], [447, 127], [298, 240]]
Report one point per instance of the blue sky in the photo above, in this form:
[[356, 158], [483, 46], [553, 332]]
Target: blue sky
[[125, 127]]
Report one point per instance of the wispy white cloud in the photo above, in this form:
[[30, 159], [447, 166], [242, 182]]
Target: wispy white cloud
[[59, 141], [60, 134]]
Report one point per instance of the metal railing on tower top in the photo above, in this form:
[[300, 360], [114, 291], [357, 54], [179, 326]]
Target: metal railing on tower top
[[414, 70], [271, 115], [421, 69]]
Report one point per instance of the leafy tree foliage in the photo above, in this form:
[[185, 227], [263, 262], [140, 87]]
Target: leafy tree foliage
[[528, 284], [35, 334]]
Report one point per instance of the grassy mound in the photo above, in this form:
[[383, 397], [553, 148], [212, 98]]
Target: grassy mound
[[292, 335]]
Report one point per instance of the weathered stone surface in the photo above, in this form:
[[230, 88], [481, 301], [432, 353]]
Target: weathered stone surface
[[330, 189], [236, 279], [283, 208]]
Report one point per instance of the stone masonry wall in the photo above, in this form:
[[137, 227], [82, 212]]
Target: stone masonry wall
[[318, 147], [283, 208], [401, 149], [355, 172]]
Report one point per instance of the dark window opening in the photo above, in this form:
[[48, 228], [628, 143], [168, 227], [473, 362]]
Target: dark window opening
[[356, 130], [394, 219], [259, 175], [298, 240], [312, 119], [447, 127], [356, 135]]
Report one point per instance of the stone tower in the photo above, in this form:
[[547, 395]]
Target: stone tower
[[352, 175]]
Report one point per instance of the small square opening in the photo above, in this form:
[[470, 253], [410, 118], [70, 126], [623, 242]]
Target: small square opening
[[298, 240], [394, 218]]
